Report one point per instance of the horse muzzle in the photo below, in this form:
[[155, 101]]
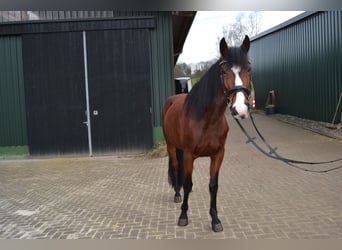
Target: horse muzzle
[[240, 112]]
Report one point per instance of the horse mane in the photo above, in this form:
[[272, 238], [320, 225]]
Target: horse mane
[[203, 93], [207, 88]]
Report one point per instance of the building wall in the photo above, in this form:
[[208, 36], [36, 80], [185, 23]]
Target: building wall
[[161, 64], [301, 60], [12, 100]]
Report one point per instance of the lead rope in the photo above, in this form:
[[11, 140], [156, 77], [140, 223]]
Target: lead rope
[[276, 156]]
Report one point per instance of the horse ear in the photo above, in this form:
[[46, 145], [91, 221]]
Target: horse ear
[[245, 44], [223, 47]]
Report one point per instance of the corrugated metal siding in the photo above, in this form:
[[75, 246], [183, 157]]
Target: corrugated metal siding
[[11, 16], [162, 64], [161, 58], [12, 101], [161, 44], [302, 63], [75, 25]]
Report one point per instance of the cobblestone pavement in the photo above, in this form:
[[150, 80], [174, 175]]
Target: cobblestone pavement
[[128, 197]]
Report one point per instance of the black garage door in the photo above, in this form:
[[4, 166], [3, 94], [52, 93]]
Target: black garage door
[[54, 90], [119, 91], [119, 87]]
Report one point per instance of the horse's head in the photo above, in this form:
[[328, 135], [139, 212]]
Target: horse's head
[[235, 68]]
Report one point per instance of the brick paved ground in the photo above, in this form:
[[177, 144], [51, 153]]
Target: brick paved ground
[[129, 197]]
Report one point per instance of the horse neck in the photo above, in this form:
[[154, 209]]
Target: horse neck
[[217, 109]]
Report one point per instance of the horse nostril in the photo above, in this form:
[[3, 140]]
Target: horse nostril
[[242, 116], [234, 112]]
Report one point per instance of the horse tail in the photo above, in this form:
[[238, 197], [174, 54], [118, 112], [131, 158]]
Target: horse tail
[[176, 176]]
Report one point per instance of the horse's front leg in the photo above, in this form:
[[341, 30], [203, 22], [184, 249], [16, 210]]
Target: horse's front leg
[[215, 165], [187, 187]]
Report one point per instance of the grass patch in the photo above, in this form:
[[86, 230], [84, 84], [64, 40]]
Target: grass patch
[[194, 80], [14, 152]]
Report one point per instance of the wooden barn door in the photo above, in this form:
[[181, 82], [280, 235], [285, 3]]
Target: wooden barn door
[[119, 89], [55, 93]]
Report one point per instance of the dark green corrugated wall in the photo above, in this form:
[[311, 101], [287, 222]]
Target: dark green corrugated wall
[[303, 64], [162, 68], [12, 100]]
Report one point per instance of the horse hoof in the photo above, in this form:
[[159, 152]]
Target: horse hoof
[[178, 199], [217, 227], [182, 222]]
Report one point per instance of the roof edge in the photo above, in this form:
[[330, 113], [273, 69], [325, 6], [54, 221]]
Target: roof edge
[[284, 24]]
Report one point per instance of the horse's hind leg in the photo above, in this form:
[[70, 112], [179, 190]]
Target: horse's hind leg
[[175, 171], [187, 186], [174, 181]]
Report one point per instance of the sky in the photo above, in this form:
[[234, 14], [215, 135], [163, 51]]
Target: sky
[[201, 42]]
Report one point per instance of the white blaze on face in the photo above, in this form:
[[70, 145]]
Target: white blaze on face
[[239, 104]]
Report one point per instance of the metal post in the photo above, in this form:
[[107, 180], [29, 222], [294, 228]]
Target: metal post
[[87, 93]]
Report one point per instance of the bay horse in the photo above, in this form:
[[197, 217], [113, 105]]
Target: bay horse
[[194, 124]]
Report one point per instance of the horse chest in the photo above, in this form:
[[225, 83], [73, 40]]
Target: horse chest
[[210, 144], [207, 149]]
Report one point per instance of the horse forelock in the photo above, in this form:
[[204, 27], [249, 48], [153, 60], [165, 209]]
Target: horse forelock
[[237, 57]]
